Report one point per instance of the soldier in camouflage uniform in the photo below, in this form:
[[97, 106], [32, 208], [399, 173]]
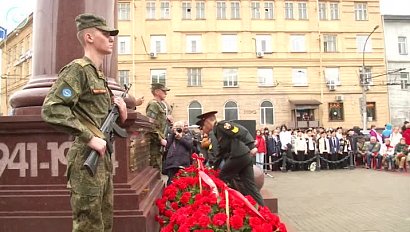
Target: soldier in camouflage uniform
[[157, 110], [77, 103], [236, 146]]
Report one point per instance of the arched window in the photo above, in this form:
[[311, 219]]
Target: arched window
[[267, 113], [231, 111], [194, 109]]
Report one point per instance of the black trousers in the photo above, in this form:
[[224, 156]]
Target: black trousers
[[288, 153], [311, 154], [267, 160], [323, 164], [171, 172], [300, 156], [333, 157], [242, 168]]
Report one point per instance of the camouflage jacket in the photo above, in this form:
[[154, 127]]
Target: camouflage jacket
[[81, 91], [157, 111]]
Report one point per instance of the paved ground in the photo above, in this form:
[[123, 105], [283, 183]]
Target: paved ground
[[342, 200]]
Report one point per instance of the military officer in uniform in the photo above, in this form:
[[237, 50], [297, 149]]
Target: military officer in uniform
[[235, 146], [77, 103], [157, 110]]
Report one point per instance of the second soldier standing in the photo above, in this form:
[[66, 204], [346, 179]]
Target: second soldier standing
[[157, 110]]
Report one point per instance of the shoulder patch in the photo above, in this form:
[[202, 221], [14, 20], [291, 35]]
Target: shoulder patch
[[235, 129], [227, 126], [65, 92]]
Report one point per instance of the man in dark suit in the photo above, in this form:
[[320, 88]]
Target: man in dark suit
[[334, 148]]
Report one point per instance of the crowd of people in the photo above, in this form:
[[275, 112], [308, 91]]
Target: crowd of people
[[387, 149]]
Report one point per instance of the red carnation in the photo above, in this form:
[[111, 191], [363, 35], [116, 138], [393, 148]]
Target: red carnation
[[219, 219], [186, 196], [236, 222], [255, 221], [174, 205], [204, 221]]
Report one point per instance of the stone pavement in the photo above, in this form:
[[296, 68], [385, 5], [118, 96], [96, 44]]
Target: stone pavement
[[342, 200]]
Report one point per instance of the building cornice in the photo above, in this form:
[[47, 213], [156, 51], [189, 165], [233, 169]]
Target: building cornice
[[396, 17]]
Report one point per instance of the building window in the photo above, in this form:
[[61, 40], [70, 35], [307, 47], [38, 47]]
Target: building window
[[124, 45], [220, 10], [334, 11], [322, 11], [265, 76], [194, 76], [404, 80], [230, 77], [123, 11], [235, 10], [264, 43], [229, 43], [402, 45], [371, 111], [231, 111], [124, 76], [158, 76], [297, 43], [302, 6], [186, 10], [193, 44], [268, 10], [158, 44], [336, 111], [194, 110], [332, 76], [150, 10], [256, 11], [267, 113], [200, 10], [165, 11], [329, 43], [299, 77], [360, 9], [288, 10], [360, 42]]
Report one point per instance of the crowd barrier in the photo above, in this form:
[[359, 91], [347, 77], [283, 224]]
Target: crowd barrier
[[315, 164]]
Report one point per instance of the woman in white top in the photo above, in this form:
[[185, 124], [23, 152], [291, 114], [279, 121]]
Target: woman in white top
[[395, 136], [285, 138]]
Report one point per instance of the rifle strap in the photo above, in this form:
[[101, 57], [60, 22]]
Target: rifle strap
[[97, 132]]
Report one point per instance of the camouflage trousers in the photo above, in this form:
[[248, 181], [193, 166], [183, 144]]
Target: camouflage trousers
[[91, 197], [155, 156]]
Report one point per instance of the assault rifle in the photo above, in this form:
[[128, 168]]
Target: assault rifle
[[167, 128], [109, 126]]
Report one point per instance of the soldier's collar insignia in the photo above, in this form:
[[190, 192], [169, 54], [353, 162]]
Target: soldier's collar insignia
[[66, 92], [227, 126]]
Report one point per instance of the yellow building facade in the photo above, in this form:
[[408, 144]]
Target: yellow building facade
[[16, 67], [276, 62]]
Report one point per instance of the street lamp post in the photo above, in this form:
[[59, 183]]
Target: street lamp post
[[364, 83]]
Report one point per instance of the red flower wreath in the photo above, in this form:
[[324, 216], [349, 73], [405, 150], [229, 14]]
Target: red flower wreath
[[190, 204]]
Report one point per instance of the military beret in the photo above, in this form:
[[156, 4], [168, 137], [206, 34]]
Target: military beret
[[160, 86], [88, 20]]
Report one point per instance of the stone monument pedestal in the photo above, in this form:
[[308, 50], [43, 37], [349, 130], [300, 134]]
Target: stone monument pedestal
[[33, 193]]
